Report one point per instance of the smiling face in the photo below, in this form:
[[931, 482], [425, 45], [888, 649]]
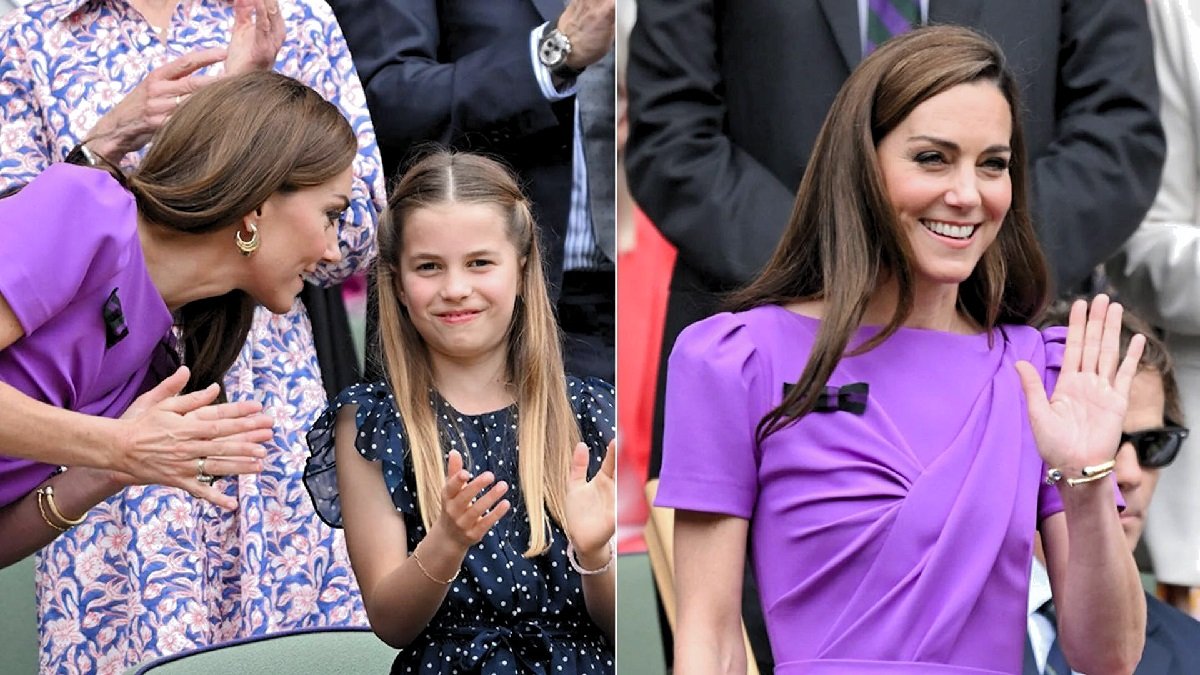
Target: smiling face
[[298, 230], [458, 276], [1147, 403], [945, 169]]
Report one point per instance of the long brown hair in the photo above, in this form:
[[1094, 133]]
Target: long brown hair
[[843, 235], [546, 432], [229, 147]]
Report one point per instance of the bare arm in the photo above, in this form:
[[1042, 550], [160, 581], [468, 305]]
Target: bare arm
[[160, 443], [23, 528], [400, 597], [1101, 609], [710, 554], [591, 523], [1094, 582]]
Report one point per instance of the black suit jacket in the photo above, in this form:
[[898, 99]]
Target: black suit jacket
[[726, 98], [1172, 643], [459, 74]]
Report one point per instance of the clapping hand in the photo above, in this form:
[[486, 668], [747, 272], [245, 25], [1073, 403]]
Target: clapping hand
[[167, 436], [590, 507], [1080, 425], [133, 121], [466, 514], [258, 34]]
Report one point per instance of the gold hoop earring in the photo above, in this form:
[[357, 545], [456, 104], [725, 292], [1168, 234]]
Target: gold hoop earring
[[247, 247]]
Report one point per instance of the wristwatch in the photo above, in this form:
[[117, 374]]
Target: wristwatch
[[553, 50], [82, 155]]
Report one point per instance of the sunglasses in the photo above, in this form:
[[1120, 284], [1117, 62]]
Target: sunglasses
[[1156, 448]]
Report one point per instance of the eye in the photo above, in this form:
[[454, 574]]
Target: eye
[[997, 164], [427, 267], [480, 262], [334, 217], [929, 158]]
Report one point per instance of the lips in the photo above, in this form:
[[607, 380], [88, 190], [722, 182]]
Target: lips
[[457, 317]]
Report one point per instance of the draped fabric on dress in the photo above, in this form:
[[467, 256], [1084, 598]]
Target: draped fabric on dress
[[895, 541]]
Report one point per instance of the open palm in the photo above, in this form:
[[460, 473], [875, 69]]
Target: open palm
[[591, 503], [1080, 424]]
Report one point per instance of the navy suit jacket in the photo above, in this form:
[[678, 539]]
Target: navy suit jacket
[[459, 74], [1172, 643]]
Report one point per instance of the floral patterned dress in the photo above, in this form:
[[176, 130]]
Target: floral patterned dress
[[154, 571], [504, 613]]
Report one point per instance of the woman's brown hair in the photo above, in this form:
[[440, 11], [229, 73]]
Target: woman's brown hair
[[546, 429], [229, 147], [843, 238]]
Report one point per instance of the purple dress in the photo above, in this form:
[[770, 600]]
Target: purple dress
[[97, 333], [894, 539]]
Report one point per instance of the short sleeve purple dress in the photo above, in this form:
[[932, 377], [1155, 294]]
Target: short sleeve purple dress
[[894, 539], [97, 332]]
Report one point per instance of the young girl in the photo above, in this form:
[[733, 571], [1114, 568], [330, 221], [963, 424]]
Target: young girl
[[472, 555]]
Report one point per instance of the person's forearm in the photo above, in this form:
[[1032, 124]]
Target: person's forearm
[[30, 429], [404, 601], [1102, 618], [23, 527], [598, 589]]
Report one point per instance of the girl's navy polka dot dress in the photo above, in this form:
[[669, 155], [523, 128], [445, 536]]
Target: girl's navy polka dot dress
[[504, 613]]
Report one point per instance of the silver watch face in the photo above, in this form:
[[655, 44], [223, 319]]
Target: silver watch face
[[554, 49]]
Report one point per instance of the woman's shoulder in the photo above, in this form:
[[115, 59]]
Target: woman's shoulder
[[767, 328]]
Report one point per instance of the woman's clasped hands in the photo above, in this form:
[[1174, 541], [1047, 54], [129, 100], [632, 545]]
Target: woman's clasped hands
[[168, 439]]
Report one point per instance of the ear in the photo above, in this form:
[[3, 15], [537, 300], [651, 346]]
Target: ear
[[524, 259]]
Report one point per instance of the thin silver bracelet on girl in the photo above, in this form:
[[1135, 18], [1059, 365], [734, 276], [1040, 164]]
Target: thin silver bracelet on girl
[[574, 560]]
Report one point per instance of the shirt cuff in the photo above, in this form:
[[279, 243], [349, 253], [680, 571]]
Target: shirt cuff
[[542, 73]]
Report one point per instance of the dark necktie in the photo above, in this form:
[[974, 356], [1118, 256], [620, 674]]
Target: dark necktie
[[1056, 662], [888, 18]]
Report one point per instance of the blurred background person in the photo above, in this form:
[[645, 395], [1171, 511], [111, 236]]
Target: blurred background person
[[1158, 274], [529, 82], [98, 78], [1150, 441]]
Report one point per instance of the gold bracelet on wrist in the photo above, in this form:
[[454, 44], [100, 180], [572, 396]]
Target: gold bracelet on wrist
[[69, 522], [41, 497], [430, 576], [1089, 473]]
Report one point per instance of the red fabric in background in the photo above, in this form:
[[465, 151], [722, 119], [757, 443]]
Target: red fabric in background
[[643, 281]]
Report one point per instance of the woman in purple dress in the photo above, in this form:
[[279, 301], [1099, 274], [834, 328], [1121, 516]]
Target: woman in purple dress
[[236, 201], [872, 418]]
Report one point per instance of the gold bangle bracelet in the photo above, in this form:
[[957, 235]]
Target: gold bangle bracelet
[[41, 496], [49, 489], [430, 576], [1072, 482]]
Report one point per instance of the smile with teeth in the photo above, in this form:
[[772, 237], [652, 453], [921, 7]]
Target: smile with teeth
[[948, 230]]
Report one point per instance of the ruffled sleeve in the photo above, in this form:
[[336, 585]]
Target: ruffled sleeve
[[380, 437], [594, 404], [1054, 340], [714, 400]]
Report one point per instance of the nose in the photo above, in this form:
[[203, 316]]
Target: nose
[[1129, 472], [457, 285], [333, 249], [963, 193]]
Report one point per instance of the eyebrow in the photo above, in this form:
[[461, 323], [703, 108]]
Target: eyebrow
[[479, 253], [343, 201], [951, 145]]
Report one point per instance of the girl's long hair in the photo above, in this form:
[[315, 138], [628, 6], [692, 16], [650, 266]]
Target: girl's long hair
[[222, 153], [843, 236], [546, 432]]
